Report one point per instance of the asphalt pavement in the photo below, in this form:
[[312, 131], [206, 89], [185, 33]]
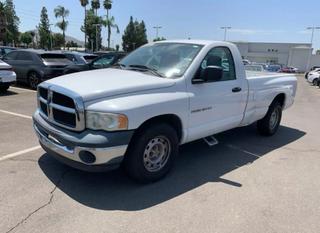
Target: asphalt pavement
[[247, 183]]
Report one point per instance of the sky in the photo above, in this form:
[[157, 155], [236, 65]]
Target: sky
[[251, 20]]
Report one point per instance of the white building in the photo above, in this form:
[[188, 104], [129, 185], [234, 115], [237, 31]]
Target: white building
[[287, 54]]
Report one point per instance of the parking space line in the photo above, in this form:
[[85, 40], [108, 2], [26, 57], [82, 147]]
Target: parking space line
[[16, 154], [16, 114], [22, 89]]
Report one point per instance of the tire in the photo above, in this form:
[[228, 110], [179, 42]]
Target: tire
[[269, 125], [34, 79], [152, 153], [315, 82], [4, 88]]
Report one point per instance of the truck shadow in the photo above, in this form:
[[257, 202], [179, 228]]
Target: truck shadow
[[197, 164]]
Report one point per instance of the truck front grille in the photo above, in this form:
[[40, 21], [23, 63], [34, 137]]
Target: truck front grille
[[61, 107]]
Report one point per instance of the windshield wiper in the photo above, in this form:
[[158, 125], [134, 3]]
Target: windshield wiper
[[118, 65], [146, 68]]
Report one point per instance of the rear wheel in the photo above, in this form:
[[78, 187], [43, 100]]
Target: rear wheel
[[269, 125], [151, 154], [4, 88], [34, 79]]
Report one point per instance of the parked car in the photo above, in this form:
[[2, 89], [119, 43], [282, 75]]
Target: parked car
[[7, 76], [246, 62], [313, 77], [160, 96], [80, 58], [5, 50], [273, 68], [289, 69], [314, 68], [35, 66], [101, 62]]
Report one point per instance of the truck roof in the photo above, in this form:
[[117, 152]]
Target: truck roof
[[199, 42]]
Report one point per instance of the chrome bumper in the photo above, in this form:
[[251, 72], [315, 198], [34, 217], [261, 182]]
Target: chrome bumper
[[104, 156]]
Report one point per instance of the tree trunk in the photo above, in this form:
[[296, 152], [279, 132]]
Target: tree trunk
[[85, 28], [109, 30]]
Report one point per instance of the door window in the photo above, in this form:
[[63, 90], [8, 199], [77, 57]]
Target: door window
[[221, 57], [24, 56], [11, 56]]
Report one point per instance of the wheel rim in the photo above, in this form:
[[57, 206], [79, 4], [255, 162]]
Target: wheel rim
[[156, 154], [33, 80], [274, 118]]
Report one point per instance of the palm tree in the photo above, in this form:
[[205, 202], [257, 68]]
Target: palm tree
[[107, 4], [84, 4], [61, 12], [95, 4], [110, 23]]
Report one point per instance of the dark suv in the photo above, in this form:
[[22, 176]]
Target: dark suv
[[104, 61], [35, 66]]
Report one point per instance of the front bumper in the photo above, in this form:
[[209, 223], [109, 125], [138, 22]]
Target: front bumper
[[107, 148]]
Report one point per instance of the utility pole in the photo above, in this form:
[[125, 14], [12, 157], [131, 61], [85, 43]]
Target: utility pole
[[97, 25], [225, 31], [157, 31], [312, 35]]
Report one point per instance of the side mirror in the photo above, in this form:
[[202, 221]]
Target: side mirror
[[210, 74], [213, 74]]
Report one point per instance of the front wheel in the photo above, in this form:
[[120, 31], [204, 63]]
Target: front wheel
[[152, 152], [315, 82], [269, 125], [34, 79]]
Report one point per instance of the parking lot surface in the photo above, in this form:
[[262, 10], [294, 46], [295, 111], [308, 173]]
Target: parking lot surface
[[247, 183]]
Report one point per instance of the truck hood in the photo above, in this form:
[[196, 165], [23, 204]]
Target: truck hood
[[97, 84]]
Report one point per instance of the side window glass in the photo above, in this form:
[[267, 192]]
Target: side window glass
[[221, 57], [10, 56], [24, 56]]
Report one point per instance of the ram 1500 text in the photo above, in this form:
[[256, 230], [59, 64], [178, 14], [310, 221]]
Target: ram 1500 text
[[160, 96]]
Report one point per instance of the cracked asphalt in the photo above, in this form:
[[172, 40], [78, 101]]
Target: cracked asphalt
[[247, 183]]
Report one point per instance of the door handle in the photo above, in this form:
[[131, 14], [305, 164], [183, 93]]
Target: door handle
[[236, 89]]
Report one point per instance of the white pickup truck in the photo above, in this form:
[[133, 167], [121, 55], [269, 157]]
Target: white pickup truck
[[160, 96]]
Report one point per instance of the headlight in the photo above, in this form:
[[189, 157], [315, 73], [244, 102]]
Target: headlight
[[106, 121]]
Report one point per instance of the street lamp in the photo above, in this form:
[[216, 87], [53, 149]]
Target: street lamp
[[225, 32], [157, 30], [312, 35]]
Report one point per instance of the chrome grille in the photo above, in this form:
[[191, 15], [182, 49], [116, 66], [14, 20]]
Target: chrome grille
[[61, 107]]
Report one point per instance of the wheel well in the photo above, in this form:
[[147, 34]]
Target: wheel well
[[280, 99], [32, 71], [171, 119]]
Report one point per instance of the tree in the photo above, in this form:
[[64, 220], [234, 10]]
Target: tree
[[110, 23], [58, 40], [159, 39], [95, 5], [117, 47], [72, 44], [134, 36], [93, 32], [12, 21], [84, 4], [107, 4], [61, 12], [26, 38], [44, 30]]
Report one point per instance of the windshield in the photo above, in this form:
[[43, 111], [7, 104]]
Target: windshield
[[170, 60]]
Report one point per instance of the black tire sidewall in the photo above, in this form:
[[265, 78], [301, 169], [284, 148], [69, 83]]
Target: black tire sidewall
[[264, 126], [134, 156]]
